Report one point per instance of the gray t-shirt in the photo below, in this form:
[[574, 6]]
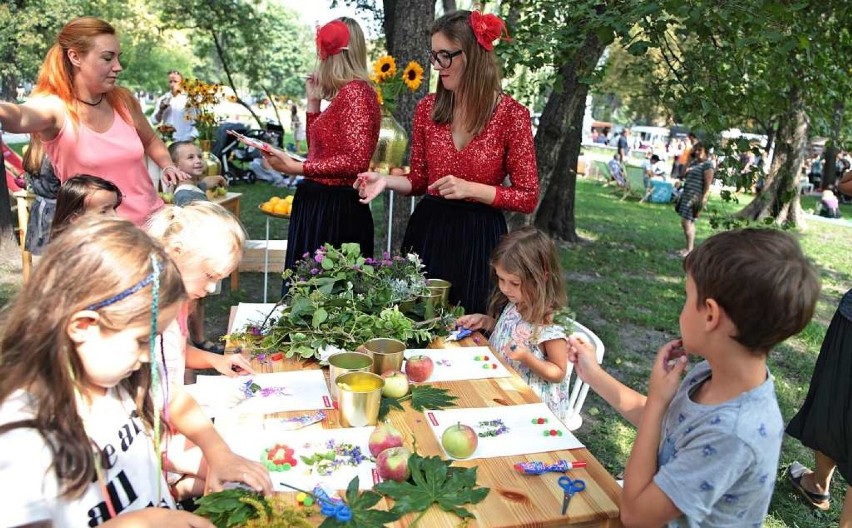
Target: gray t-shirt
[[717, 463]]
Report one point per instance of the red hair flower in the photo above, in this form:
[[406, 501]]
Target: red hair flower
[[332, 38], [487, 28]]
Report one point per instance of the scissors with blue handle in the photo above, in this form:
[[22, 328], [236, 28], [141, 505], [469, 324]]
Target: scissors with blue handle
[[569, 487]]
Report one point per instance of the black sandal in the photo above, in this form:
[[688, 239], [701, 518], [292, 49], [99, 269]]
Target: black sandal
[[795, 472]]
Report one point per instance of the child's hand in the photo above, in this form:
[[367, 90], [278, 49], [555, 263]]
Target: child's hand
[[666, 373], [516, 351], [476, 322], [213, 182], [226, 466], [583, 356], [231, 365]]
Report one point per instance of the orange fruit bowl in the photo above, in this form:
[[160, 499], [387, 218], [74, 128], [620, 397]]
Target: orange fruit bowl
[[272, 213]]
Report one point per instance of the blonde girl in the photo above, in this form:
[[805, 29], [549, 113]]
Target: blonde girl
[[206, 243], [529, 292], [78, 425]]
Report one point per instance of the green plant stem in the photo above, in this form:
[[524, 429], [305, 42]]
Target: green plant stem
[[417, 519]]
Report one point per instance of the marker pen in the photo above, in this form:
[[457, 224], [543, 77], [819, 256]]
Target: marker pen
[[537, 468]]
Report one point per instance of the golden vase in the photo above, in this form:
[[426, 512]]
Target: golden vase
[[393, 141], [212, 165]]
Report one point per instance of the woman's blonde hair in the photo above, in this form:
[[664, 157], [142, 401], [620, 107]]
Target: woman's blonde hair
[[532, 256], [480, 81], [335, 71], [96, 259], [198, 226]]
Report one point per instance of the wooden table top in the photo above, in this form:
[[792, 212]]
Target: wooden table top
[[515, 499]]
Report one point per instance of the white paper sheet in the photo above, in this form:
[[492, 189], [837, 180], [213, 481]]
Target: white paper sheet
[[301, 390], [251, 444], [522, 438], [251, 313], [462, 363]]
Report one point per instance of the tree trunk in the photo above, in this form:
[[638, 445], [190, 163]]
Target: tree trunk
[[407, 25], [557, 143], [10, 250], [8, 86], [779, 199], [829, 166], [449, 6]]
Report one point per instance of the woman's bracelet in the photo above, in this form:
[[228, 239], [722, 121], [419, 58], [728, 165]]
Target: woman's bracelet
[[167, 167]]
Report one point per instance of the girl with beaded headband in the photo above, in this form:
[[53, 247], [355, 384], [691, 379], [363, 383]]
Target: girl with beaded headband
[[87, 124], [78, 426], [466, 139], [206, 242], [341, 142]]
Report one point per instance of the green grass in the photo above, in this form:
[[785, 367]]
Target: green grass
[[625, 284]]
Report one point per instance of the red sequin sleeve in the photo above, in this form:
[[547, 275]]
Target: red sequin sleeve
[[521, 165], [342, 139], [418, 174]]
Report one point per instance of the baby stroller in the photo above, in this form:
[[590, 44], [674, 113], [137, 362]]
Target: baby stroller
[[237, 156]]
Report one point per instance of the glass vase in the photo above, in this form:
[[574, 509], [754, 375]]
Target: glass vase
[[393, 141], [212, 165]]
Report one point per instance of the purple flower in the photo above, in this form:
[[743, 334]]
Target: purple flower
[[255, 330], [314, 271], [306, 255], [319, 257], [385, 255], [356, 267]]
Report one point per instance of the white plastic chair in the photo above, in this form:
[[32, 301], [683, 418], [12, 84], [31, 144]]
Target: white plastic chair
[[578, 388]]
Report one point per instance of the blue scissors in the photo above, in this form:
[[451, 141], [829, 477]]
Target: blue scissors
[[569, 487]]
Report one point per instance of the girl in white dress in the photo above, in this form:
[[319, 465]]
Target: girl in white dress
[[529, 291]]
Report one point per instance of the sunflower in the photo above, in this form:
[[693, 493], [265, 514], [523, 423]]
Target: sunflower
[[385, 68], [412, 76]]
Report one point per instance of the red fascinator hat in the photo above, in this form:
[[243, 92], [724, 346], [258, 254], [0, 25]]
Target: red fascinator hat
[[487, 28], [332, 38]]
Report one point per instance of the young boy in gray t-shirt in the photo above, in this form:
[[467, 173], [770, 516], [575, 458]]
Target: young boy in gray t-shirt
[[706, 449]]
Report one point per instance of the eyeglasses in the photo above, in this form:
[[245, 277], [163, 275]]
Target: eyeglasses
[[442, 58]]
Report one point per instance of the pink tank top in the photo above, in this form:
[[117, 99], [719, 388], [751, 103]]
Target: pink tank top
[[116, 155]]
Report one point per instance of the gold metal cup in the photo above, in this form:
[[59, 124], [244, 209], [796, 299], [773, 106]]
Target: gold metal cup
[[387, 353], [442, 287], [344, 362], [360, 396], [431, 304]]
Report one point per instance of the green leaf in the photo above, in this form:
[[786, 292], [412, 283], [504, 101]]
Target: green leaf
[[225, 509], [429, 397], [320, 316], [434, 481], [327, 264], [386, 405], [363, 516]]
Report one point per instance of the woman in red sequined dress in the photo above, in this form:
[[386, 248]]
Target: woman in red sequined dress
[[465, 139], [341, 141]]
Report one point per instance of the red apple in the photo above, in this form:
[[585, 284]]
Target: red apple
[[419, 368], [459, 440], [396, 384], [392, 464], [384, 436]]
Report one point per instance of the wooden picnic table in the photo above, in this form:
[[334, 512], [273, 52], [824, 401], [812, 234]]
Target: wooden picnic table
[[515, 499]]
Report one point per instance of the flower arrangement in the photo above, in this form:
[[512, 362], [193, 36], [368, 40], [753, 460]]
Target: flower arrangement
[[201, 100], [339, 299], [388, 81]]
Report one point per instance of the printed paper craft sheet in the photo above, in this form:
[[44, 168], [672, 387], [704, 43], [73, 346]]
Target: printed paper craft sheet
[[331, 457], [506, 431], [301, 390], [251, 313], [464, 363]]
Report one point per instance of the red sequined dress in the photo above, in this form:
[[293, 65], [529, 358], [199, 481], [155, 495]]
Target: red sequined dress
[[341, 141], [455, 238]]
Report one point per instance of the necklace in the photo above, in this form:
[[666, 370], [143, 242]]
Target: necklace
[[91, 104]]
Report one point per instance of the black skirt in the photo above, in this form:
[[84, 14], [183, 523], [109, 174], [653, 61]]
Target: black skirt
[[824, 423], [455, 239], [324, 214]]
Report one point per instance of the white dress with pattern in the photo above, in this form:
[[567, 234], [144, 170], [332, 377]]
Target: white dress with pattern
[[511, 327]]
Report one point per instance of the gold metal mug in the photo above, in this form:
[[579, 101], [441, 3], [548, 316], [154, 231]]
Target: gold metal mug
[[440, 286], [360, 395], [345, 362], [387, 353]]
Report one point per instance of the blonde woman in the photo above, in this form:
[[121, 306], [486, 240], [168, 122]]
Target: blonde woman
[[465, 139], [341, 141]]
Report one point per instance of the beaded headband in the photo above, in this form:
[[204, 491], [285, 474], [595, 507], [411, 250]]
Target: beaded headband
[[131, 290]]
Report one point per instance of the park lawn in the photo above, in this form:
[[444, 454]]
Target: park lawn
[[626, 285]]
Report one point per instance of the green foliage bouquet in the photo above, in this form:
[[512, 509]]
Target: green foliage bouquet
[[338, 299]]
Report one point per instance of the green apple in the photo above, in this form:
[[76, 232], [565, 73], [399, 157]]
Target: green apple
[[396, 384], [459, 440], [221, 191]]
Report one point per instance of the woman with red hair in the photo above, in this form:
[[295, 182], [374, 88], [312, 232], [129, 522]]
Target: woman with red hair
[[87, 124]]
